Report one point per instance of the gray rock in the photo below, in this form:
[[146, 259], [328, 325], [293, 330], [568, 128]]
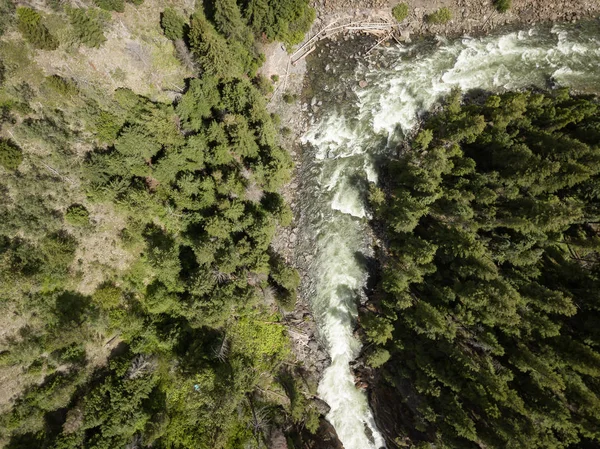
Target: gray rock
[[321, 406], [313, 346], [277, 440]]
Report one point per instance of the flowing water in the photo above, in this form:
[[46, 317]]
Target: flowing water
[[354, 129]]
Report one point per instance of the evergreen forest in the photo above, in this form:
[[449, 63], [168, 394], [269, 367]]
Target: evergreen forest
[[140, 295], [484, 323]]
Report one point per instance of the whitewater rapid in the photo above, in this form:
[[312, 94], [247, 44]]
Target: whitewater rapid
[[349, 137]]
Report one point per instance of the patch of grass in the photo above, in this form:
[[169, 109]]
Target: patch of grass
[[502, 5], [263, 84], [276, 118], [77, 215], [119, 74], [107, 296], [439, 17], [16, 57], [111, 5], [7, 9], [400, 12], [289, 98], [60, 85]]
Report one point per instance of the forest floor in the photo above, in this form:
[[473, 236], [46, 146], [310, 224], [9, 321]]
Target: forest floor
[[472, 17]]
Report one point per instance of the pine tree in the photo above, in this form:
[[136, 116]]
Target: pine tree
[[31, 26], [210, 49], [173, 24], [88, 29], [11, 155], [229, 22]]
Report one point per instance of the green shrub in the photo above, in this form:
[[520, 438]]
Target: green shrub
[[107, 126], [311, 421], [55, 5], [423, 139], [77, 215], [61, 85], [6, 358], [439, 17], [378, 329], [88, 29], [378, 357], [376, 196], [289, 98], [285, 276], [263, 84], [74, 353], [285, 216], [282, 20], [33, 30], [275, 118], [23, 92], [11, 155], [400, 12], [502, 5], [115, 5], [173, 24], [107, 296], [59, 247], [111, 5], [119, 74], [286, 300], [275, 78]]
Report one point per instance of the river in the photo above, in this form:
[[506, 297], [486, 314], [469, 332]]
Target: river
[[351, 133]]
